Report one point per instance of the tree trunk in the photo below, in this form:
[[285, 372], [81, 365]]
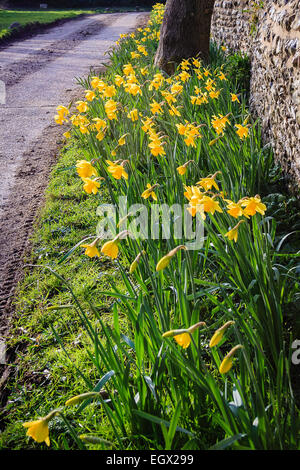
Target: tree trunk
[[185, 32]]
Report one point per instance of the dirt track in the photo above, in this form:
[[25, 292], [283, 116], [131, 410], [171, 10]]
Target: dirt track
[[39, 73]]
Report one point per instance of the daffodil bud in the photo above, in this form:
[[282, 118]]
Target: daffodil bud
[[121, 235], [79, 398], [212, 142], [165, 260], [135, 263], [227, 362], [172, 333], [195, 327], [52, 414], [218, 334]]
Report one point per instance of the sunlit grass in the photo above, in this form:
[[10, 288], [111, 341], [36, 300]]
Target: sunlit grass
[[7, 17]]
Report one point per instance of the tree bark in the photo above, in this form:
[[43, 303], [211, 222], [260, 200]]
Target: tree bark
[[185, 32]]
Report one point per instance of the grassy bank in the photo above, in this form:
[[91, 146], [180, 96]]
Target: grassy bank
[[176, 348], [40, 362], [7, 17]]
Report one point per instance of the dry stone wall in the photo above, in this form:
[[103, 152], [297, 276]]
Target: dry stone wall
[[269, 32]]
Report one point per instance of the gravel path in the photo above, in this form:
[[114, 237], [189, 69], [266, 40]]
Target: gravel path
[[39, 73]]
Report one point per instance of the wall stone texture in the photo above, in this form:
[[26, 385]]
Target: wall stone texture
[[269, 32]]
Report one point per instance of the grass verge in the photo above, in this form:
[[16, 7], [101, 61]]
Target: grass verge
[[68, 215], [25, 18]]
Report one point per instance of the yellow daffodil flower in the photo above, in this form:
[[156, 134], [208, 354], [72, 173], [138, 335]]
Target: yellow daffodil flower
[[133, 88], [111, 107], [39, 430], [85, 169], [144, 71], [82, 106], [234, 98], [61, 115], [253, 205], [184, 340], [214, 94], [62, 110], [119, 80], [133, 115], [242, 131], [210, 205], [155, 107], [91, 186], [117, 170], [176, 88], [99, 124], [233, 233], [209, 182], [90, 95], [122, 140], [111, 248], [183, 168], [181, 129], [109, 91], [91, 249], [128, 69], [219, 123], [156, 145], [184, 76], [135, 55], [150, 192], [95, 82]]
